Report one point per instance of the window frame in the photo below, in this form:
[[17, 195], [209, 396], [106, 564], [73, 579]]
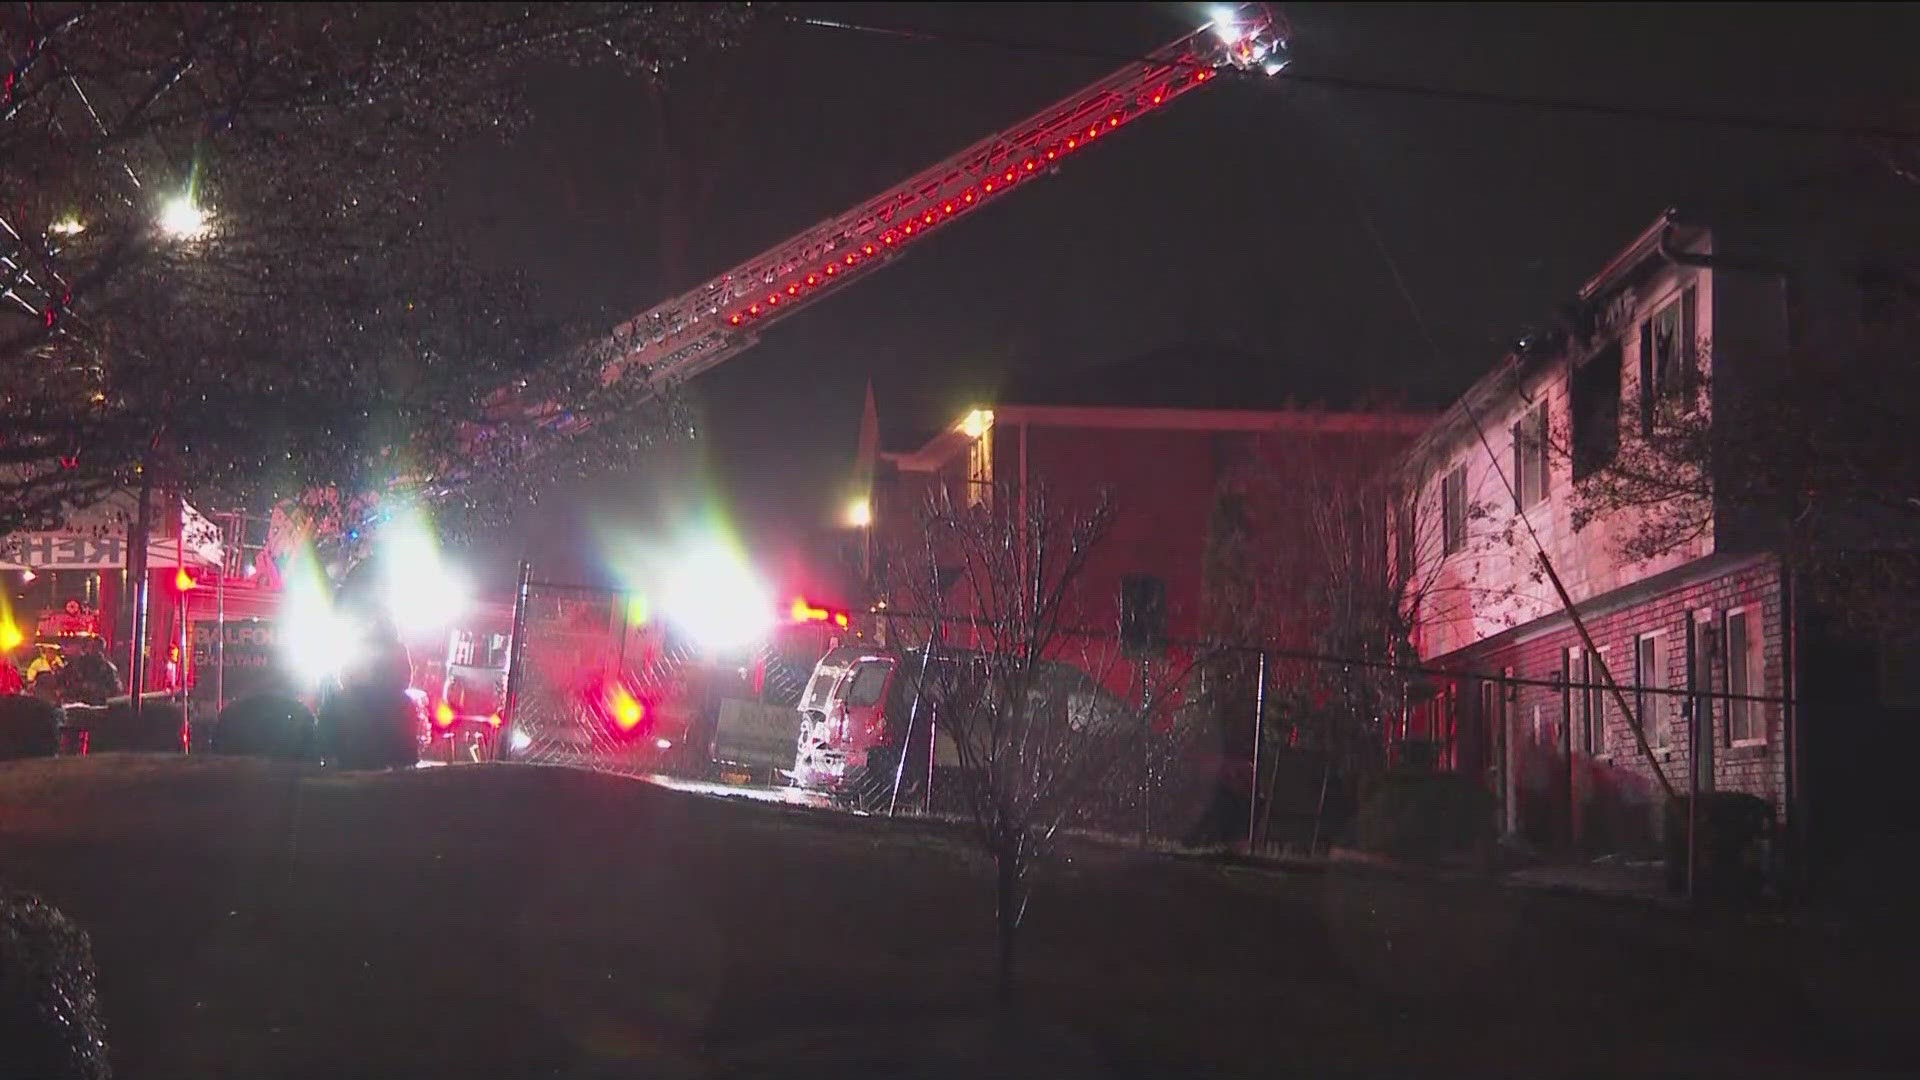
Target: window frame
[[1453, 510], [980, 471], [1670, 384], [1530, 457], [1745, 716], [1649, 697]]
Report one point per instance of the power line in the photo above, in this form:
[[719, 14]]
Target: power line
[[1607, 109]]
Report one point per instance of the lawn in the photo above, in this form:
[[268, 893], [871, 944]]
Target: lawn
[[500, 921]]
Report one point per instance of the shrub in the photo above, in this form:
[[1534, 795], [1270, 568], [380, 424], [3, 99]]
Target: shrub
[[157, 728], [29, 727], [50, 1024], [265, 725], [1433, 817], [369, 729], [1728, 856]]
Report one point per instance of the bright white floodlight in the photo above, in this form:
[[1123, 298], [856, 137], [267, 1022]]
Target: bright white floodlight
[[713, 595], [1226, 24], [422, 593], [181, 219]]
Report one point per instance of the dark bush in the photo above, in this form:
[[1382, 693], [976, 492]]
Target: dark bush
[[1428, 817], [1729, 859], [158, 728], [29, 727], [265, 725], [50, 1026], [369, 729]]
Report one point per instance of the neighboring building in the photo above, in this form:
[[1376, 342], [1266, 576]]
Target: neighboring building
[[1218, 512], [1182, 481], [1740, 684]]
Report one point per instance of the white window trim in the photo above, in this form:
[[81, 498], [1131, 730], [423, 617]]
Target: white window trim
[[1756, 676], [1652, 705]]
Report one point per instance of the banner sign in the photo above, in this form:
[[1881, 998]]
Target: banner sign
[[63, 551]]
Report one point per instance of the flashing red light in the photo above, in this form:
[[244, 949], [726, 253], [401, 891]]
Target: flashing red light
[[1009, 177], [1202, 75], [1092, 131], [926, 218], [1159, 97], [968, 197], [812, 280], [183, 581], [851, 259], [867, 250], [753, 309], [1031, 165], [443, 715], [907, 229], [1071, 143], [830, 269], [989, 186], [627, 710], [734, 318], [772, 299], [1113, 121], [793, 289], [947, 208], [1052, 153], [889, 237]]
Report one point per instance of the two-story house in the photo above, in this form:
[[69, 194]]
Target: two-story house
[[1583, 469]]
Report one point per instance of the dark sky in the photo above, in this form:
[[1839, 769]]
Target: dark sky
[[1233, 219]]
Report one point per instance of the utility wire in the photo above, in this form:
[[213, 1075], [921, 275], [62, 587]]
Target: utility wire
[[1610, 110], [1465, 404]]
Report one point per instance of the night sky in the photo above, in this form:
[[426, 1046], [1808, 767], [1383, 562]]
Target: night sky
[[1231, 223]]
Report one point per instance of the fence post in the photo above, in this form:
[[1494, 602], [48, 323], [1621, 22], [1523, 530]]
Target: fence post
[[516, 652], [1259, 724]]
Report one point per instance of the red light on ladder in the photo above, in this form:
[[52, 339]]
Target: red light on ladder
[[753, 309], [926, 218], [830, 269], [851, 258], [989, 186], [1202, 75], [734, 318], [1092, 131], [1159, 96], [1051, 154], [947, 208], [1030, 165], [968, 197], [1009, 177], [1113, 121], [867, 249], [793, 289], [889, 237], [772, 299], [1071, 143], [812, 280]]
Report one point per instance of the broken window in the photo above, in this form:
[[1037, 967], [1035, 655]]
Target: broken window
[[1667, 370], [1595, 394]]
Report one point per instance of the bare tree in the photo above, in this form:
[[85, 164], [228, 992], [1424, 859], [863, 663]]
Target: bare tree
[[1810, 454], [1052, 724], [224, 254]]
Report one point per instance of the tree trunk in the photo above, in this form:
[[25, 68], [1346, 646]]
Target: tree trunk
[[1006, 860]]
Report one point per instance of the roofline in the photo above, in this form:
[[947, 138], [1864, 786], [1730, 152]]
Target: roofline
[[1630, 256], [1514, 368], [1395, 422]]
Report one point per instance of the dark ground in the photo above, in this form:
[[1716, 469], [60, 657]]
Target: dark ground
[[517, 922]]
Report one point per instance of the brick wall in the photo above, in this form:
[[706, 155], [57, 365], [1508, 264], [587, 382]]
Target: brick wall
[[1614, 789]]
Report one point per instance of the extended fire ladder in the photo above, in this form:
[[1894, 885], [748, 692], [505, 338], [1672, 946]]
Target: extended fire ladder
[[691, 333]]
